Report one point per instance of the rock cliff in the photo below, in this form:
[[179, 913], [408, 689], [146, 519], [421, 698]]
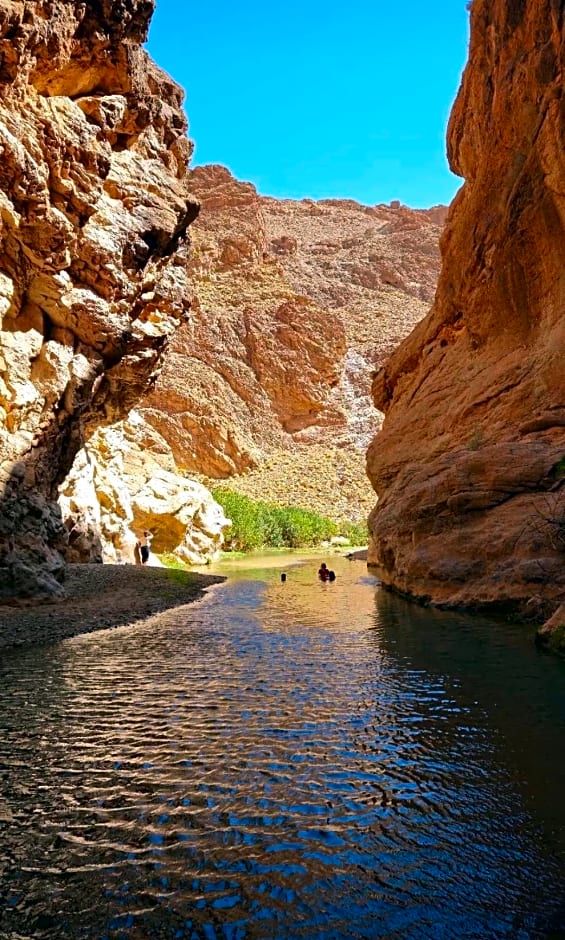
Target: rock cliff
[[94, 209], [470, 465], [123, 481], [295, 304]]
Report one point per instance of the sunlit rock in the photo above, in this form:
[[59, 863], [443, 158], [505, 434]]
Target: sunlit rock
[[295, 304], [123, 482], [470, 465], [94, 209]]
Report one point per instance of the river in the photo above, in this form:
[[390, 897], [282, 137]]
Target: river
[[285, 760]]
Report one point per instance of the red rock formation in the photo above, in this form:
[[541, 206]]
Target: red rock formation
[[277, 358], [93, 207], [470, 465]]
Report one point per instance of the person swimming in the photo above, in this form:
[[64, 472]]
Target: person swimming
[[331, 575]]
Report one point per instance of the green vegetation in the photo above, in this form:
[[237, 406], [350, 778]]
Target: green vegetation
[[356, 532], [556, 640], [172, 562], [476, 440], [259, 525], [176, 574]]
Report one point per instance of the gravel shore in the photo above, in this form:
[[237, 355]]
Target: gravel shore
[[100, 597]]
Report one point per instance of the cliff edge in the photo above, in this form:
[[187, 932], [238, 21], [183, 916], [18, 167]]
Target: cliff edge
[[94, 210], [470, 464]]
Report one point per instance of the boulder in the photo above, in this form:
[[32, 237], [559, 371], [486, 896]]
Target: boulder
[[123, 482]]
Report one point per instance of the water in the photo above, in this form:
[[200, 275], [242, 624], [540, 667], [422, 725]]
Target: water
[[285, 760]]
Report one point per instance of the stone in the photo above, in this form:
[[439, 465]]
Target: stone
[[469, 467], [268, 385], [552, 633], [94, 210], [123, 482]]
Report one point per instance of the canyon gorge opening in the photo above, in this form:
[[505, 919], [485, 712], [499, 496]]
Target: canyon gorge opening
[[266, 330]]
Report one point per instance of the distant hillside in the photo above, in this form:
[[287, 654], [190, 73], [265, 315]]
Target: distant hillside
[[295, 304]]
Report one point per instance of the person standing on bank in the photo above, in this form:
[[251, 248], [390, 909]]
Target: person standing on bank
[[145, 548]]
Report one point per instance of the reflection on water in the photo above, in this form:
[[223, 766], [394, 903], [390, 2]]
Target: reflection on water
[[284, 760]]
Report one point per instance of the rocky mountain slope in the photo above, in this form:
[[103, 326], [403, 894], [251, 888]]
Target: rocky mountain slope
[[94, 208], [470, 464], [295, 304]]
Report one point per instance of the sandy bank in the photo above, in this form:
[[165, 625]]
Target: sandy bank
[[100, 597]]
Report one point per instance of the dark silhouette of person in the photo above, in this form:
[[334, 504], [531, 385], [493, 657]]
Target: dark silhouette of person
[[323, 572], [331, 575], [283, 577]]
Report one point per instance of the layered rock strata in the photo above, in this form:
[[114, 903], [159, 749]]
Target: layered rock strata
[[93, 214], [470, 465], [268, 384]]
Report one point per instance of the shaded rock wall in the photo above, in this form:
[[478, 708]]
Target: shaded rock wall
[[93, 213], [470, 465]]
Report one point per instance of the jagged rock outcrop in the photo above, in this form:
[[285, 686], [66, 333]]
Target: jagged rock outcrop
[[93, 212], [268, 384], [125, 481], [470, 465]]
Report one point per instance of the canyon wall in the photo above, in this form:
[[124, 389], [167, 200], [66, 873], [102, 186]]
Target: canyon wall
[[94, 209], [268, 384], [124, 481], [470, 465]]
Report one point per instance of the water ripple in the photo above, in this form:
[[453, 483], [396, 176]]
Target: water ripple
[[267, 764]]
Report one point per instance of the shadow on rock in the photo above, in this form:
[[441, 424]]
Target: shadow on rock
[[33, 536], [32, 540]]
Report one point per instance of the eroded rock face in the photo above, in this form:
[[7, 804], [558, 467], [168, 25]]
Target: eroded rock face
[[469, 466], [93, 212], [125, 481], [270, 379]]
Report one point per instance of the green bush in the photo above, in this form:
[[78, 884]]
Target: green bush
[[273, 526], [248, 529], [263, 525], [356, 532], [559, 469], [557, 639], [476, 440], [301, 528]]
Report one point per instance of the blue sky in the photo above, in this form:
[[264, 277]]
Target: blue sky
[[320, 99]]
